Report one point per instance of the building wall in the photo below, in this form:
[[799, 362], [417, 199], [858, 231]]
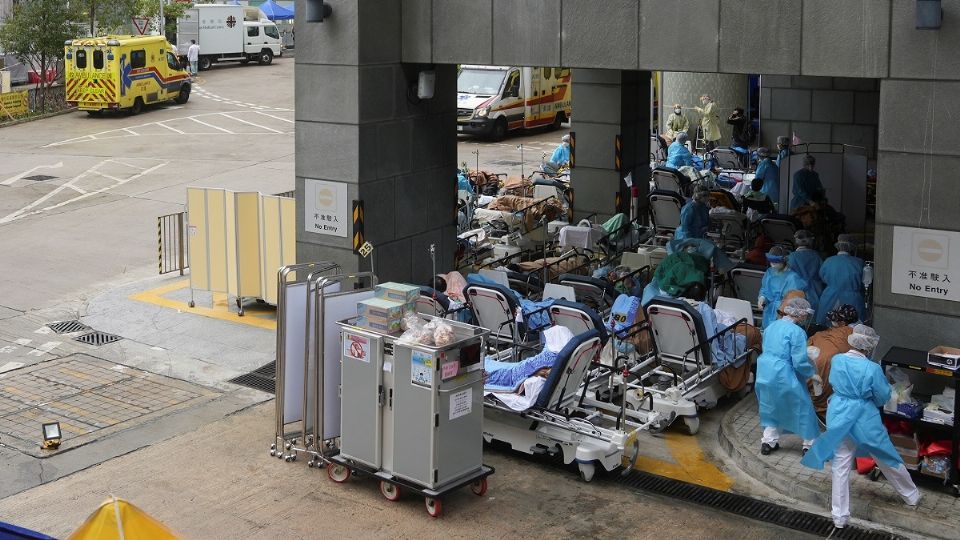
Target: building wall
[[836, 110], [5, 7], [728, 91]]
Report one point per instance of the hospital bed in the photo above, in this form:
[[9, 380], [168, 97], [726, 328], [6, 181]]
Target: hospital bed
[[665, 207], [681, 373], [558, 424], [435, 303], [727, 159], [667, 179], [779, 228], [746, 280], [495, 308]]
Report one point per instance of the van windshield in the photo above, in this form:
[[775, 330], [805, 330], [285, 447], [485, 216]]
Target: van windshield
[[480, 81]]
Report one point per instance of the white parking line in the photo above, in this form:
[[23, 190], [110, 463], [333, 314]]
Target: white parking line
[[211, 125], [252, 124], [272, 116], [175, 130], [12, 179]]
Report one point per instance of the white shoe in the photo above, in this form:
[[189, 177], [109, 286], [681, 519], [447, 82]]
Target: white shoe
[[913, 505]]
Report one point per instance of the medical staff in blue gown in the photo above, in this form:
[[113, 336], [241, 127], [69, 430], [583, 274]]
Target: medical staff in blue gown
[[769, 172], [695, 216], [805, 261], [561, 156], [782, 373], [842, 276], [777, 281], [854, 426], [678, 155], [807, 187], [783, 149]]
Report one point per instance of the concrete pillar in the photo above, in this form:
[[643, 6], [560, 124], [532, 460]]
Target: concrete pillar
[[608, 103], [728, 91], [359, 124], [917, 187]]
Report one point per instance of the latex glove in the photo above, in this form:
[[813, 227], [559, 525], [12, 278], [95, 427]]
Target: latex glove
[[817, 385], [813, 353], [761, 302]]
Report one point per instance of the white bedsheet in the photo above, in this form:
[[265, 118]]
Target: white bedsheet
[[531, 391]]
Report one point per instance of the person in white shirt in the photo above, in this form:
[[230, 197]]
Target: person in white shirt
[[193, 56]]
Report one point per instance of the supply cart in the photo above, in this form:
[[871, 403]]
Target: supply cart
[[412, 414], [915, 362]]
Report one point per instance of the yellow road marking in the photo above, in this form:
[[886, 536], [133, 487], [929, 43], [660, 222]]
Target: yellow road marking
[[691, 464], [220, 309]]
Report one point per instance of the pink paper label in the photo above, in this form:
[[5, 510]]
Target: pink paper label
[[449, 370]]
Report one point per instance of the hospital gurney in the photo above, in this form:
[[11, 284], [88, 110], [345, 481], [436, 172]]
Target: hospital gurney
[[496, 308], [558, 423], [682, 372]]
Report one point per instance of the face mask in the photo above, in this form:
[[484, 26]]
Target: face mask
[[566, 145], [676, 111], [777, 266]]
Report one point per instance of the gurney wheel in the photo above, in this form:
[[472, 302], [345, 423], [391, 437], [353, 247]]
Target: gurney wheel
[[338, 473], [692, 423], [479, 488], [390, 492], [586, 471], [434, 507]]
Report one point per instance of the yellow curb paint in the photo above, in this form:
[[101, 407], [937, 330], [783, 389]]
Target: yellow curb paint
[[220, 311], [691, 464]]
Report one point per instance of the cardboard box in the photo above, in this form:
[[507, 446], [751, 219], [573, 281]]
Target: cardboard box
[[945, 357], [397, 292], [378, 326], [905, 443], [379, 308]]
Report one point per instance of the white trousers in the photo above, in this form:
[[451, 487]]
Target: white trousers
[[771, 436], [843, 459]]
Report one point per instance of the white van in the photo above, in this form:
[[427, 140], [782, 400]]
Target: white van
[[228, 33], [492, 100]]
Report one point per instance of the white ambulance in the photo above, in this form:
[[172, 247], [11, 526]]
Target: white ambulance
[[492, 100]]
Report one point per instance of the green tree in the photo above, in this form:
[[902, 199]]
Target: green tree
[[35, 33], [171, 12], [108, 16]]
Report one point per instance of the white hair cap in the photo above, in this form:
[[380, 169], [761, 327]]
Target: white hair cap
[[565, 138], [798, 308], [863, 338]]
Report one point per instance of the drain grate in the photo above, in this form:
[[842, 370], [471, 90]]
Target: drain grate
[[40, 177], [263, 378], [68, 327], [748, 507], [97, 338], [269, 370], [506, 163]]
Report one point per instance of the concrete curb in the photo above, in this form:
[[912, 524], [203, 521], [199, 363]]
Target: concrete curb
[[34, 118], [747, 459]]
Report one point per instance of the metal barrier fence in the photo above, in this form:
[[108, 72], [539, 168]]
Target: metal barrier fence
[[54, 101], [287, 194], [172, 243]]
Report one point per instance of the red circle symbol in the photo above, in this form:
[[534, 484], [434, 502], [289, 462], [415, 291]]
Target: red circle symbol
[[356, 350]]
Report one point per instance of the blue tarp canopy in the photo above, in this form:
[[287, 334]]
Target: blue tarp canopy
[[9, 531], [276, 12]]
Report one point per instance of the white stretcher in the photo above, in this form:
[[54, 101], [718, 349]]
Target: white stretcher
[[680, 374], [559, 422]]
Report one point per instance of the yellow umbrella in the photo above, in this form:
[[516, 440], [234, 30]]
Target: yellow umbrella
[[117, 519]]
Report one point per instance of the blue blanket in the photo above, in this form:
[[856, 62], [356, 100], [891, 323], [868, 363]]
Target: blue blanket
[[507, 376], [725, 349], [537, 320]]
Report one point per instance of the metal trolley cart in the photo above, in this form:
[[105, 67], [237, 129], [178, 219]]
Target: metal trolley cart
[[412, 415]]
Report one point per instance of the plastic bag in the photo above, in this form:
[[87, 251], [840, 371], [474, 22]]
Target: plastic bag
[[443, 333], [413, 329]]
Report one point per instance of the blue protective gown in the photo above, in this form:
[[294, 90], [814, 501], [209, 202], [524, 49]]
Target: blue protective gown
[[509, 375], [806, 186], [859, 388], [774, 287], [782, 373], [784, 154], [770, 173], [679, 156], [806, 263], [694, 221], [842, 276], [561, 156]]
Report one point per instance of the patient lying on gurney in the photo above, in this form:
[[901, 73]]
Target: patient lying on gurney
[[518, 384]]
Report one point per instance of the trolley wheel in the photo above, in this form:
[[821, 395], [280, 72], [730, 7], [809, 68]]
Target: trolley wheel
[[956, 491], [338, 473], [192, 304], [874, 474], [693, 424], [390, 492], [434, 507], [479, 488], [587, 471], [240, 312]]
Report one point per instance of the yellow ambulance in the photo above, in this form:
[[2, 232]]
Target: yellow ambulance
[[123, 73]]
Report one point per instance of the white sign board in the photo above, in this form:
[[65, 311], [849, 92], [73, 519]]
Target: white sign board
[[926, 263], [327, 210]]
